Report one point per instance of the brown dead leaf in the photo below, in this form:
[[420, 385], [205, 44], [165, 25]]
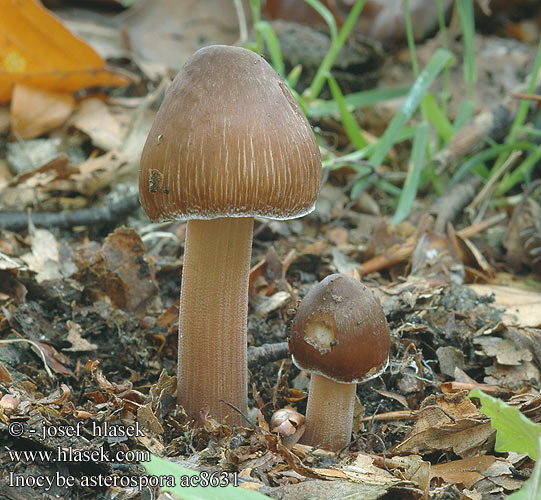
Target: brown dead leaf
[[148, 420], [416, 470], [55, 360], [93, 368], [37, 50], [78, 343], [466, 471], [119, 271], [46, 258], [523, 308], [95, 120], [505, 351], [448, 422], [363, 470], [37, 111]]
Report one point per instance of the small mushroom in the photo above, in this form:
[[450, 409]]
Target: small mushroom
[[229, 143], [340, 336]]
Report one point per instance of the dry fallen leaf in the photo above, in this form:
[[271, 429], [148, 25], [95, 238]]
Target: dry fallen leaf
[[95, 120], [466, 471], [37, 111], [449, 422], [36, 49], [522, 307]]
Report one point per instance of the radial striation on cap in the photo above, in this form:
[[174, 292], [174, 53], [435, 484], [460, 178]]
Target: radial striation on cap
[[229, 140], [340, 331]]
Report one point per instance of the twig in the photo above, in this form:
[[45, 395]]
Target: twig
[[233, 407], [86, 216], [483, 195], [267, 352], [494, 123], [391, 416], [452, 202]]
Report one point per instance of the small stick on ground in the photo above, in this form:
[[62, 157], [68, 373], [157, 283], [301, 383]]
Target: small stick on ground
[[86, 216], [267, 352], [452, 202]]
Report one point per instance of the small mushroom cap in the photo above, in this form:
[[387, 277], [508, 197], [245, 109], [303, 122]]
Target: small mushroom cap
[[340, 331], [229, 140]]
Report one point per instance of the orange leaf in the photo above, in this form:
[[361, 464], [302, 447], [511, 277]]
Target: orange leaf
[[36, 49]]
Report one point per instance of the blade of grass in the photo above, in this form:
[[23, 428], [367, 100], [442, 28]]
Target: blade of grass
[[411, 184], [410, 38], [351, 126], [293, 76], [271, 40], [465, 112], [356, 100], [523, 170], [437, 117], [255, 7], [445, 95], [525, 104], [487, 154], [326, 65], [437, 62], [522, 112], [326, 15], [467, 23]]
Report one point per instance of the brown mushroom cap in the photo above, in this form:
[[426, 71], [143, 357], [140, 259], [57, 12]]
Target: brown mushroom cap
[[229, 140], [340, 331]]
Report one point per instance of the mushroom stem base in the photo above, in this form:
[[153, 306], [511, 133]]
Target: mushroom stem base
[[213, 315], [329, 413]]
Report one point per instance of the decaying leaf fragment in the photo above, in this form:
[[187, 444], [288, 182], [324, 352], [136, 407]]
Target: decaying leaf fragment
[[449, 422], [119, 271]]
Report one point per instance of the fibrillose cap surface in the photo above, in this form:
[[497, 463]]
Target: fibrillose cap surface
[[340, 331], [229, 140]]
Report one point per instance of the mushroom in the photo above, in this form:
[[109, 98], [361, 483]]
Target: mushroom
[[339, 335], [228, 143]]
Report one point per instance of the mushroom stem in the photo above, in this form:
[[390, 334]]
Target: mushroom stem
[[213, 316], [329, 414]]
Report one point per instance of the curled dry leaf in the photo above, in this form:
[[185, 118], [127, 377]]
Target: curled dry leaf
[[449, 422]]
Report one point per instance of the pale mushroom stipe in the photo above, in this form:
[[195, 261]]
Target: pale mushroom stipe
[[340, 336], [229, 143]]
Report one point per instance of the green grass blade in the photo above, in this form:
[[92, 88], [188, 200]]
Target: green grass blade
[[410, 38], [437, 117], [327, 17], [465, 112], [434, 67], [326, 65], [351, 126], [510, 180], [357, 100], [487, 154], [161, 467], [467, 23], [271, 40], [255, 7], [525, 104], [411, 184], [445, 95], [293, 76]]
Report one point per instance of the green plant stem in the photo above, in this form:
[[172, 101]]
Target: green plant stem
[[326, 65]]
